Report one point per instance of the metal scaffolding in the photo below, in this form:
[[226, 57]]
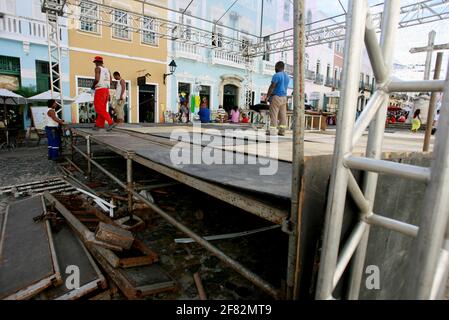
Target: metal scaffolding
[[333, 29], [53, 10], [428, 262]]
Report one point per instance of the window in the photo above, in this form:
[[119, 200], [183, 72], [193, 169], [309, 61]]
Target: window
[[149, 31], [245, 42], [120, 26], [330, 45], [287, 5], [187, 25], [8, 6], [88, 15], [217, 38]]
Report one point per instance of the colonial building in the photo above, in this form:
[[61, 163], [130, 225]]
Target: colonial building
[[215, 74], [134, 54], [24, 63]]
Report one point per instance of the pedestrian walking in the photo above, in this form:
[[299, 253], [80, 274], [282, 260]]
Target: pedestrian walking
[[119, 99], [416, 122], [277, 96], [101, 85]]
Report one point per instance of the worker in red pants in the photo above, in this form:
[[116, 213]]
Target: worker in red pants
[[101, 85]]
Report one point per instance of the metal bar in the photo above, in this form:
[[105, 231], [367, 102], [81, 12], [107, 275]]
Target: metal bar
[[441, 276], [434, 214], [374, 51], [89, 153], [348, 251], [357, 195], [388, 167], [356, 21], [433, 100], [368, 113], [416, 86], [390, 25], [73, 164], [428, 65], [394, 225], [437, 47], [236, 266], [298, 151], [129, 180]]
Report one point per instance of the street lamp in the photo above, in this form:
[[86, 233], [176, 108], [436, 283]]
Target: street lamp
[[172, 66]]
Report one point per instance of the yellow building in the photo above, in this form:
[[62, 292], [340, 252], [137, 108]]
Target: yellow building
[[109, 30]]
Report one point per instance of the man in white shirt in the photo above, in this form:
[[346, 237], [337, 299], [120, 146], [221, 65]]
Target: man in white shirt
[[101, 85], [119, 99]]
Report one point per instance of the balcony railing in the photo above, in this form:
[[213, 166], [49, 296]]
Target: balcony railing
[[310, 75], [329, 82], [21, 28], [228, 59], [187, 50], [319, 79]]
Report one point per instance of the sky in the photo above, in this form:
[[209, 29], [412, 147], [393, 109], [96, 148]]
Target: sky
[[407, 38]]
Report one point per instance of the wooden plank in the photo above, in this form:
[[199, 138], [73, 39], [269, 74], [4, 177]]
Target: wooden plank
[[80, 228], [71, 251], [114, 235], [28, 262]]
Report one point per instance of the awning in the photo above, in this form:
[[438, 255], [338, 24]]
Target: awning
[[45, 96], [9, 97]]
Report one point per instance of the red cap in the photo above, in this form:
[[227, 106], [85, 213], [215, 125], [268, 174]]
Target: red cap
[[98, 59]]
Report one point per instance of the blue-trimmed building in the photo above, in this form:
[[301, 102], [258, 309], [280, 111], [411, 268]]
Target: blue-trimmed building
[[24, 51], [218, 75]]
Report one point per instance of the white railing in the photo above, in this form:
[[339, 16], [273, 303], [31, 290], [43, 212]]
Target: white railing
[[186, 49], [21, 28], [228, 59]]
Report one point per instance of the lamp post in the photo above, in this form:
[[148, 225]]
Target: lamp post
[[172, 67]]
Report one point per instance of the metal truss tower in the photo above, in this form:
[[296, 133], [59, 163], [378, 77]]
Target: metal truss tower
[[428, 260], [54, 9]]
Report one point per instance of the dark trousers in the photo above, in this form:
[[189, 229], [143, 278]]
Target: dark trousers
[[54, 142]]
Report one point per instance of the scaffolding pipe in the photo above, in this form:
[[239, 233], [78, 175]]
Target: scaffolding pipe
[[375, 51], [348, 251], [416, 86], [434, 214], [371, 109], [236, 266], [394, 225], [433, 100], [293, 267], [388, 167], [390, 25], [357, 12]]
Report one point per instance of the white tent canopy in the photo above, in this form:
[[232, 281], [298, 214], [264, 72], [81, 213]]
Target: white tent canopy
[[45, 96], [9, 97], [84, 97]]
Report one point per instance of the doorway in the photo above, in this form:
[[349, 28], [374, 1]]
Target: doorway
[[230, 96], [147, 104]]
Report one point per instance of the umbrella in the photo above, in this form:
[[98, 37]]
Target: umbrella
[[84, 97], [45, 96], [11, 98]]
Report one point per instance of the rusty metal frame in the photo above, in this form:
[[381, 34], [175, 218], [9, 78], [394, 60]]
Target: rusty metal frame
[[244, 202]]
